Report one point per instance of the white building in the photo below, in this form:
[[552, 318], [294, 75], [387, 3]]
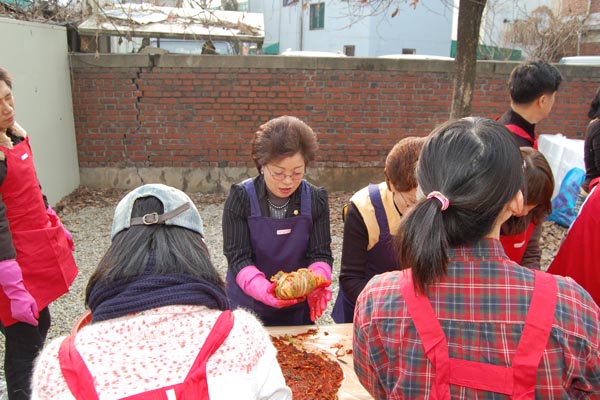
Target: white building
[[343, 26], [499, 15]]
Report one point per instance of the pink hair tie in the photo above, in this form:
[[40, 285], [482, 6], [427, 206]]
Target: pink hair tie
[[443, 199]]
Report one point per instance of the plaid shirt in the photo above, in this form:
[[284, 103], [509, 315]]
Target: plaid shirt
[[481, 304]]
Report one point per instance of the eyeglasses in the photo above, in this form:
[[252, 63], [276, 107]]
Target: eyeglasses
[[279, 176]]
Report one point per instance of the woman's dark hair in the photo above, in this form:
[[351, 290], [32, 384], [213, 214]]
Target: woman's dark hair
[[178, 251], [401, 162], [476, 165], [537, 189], [539, 183], [283, 137], [594, 111], [5, 76]]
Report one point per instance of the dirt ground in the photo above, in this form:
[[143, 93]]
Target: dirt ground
[[99, 198]]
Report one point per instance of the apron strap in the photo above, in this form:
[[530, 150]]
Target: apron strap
[[215, 339], [248, 185], [517, 130], [518, 381], [81, 383], [305, 199], [380, 215], [431, 334], [536, 333], [77, 375]]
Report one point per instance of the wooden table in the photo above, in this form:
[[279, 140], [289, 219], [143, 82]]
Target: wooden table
[[324, 339]]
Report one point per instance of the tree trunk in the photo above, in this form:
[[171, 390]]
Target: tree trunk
[[469, 23]]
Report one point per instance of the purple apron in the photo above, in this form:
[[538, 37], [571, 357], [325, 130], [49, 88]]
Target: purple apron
[[380, 258], [278, 245]]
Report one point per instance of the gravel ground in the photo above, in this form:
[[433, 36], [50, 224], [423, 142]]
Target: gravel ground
[[87, 213]]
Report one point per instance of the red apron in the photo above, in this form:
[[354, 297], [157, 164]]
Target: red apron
[[517, 130], [518, 381], [43, 252], [194, 387], [578, 255], [515, 245]]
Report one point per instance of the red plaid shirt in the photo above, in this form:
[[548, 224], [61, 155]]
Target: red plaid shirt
[[481, 304]]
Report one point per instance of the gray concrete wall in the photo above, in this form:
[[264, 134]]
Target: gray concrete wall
[[220, 179], [36, 55]]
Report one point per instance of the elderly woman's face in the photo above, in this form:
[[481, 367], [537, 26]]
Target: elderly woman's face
[[283, 176], [7, 107]]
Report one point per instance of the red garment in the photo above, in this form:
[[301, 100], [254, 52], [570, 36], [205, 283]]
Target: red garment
[[578, 256], [482, 304], [515, 245], [195, 386], [519, 380], [43, 252], [517, 130]]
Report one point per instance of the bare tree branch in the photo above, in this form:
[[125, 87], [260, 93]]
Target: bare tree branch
[[545, 35]]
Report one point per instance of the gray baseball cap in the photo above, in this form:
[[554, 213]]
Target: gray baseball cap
[[179, 210]]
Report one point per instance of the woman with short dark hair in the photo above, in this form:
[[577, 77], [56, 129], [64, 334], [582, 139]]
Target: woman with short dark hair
[[161, 323], [275, 222], [371, 219]]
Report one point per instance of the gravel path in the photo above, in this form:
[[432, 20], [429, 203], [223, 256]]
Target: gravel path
[[87, 213]]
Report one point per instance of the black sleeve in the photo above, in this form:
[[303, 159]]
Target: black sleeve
[[7, 249], [319, 242], [533, 253], [522, 142], [354, 254], [237, 245], [595, 146]]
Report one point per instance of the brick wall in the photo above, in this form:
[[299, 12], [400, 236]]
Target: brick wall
[[200, 112], [573, 7], [590, 48]]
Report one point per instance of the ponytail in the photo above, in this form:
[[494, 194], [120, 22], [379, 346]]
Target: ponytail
[[469, 169]]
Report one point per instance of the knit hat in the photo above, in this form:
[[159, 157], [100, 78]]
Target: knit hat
[[179, 210]]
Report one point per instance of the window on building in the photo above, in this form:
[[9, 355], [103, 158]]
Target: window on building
[[349, 50], [409, 51], [317, 16]]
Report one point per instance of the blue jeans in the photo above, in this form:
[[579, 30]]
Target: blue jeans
[[23, 342]]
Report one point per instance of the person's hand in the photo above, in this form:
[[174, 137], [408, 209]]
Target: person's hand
[[23, 306], [50, 211], [318, 299], [274, 301], [69, 238], [317, 302], [321, 268], [254, 284]]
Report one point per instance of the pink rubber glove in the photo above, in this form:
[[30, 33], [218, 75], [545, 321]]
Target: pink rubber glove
[[68, 235], [318, 299], [321, 268], [254, 284], [317, 302], [22, 305]]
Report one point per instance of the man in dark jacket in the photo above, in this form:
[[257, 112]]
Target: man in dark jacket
[[533, 86]]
